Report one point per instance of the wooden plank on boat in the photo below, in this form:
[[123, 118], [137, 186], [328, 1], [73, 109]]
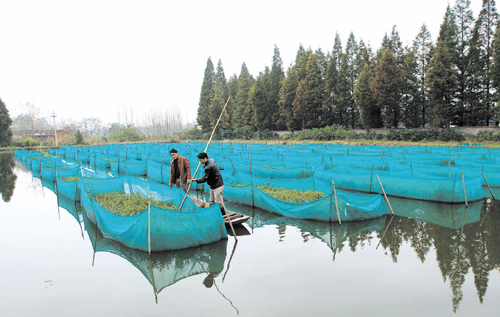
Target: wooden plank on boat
[[235, 218], [231, 217]]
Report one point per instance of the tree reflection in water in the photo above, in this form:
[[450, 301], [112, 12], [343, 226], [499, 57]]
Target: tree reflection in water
[[476, 246], [7, 176], [464, 239]]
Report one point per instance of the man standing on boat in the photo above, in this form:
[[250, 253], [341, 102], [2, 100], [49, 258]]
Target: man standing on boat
[[214, 180], [180, 171]]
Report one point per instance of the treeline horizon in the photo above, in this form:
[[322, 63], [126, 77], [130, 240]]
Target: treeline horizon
[[455, 81]]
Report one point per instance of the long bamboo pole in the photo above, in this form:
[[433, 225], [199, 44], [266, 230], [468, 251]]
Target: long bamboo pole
[[149, 224], [206, 148], [198, 167]]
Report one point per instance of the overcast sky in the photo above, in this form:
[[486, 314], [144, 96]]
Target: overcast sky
[[93, 58]]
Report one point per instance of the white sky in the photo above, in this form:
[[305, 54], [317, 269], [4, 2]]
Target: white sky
[[91, 58]]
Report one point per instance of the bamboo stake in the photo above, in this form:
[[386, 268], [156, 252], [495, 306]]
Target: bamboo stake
[[488, 185], [385, 194], [371, 177], [465, 193], [336, 203], [232, 165], [149, 224]]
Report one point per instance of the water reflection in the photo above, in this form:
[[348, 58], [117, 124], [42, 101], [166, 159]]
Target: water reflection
[[465, 239], [163, 269], [7, 176], [332, 234], [474, 246]]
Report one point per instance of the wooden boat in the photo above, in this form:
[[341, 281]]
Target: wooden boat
[[231, 216]]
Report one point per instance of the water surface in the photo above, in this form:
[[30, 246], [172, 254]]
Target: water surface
[[428, 260]]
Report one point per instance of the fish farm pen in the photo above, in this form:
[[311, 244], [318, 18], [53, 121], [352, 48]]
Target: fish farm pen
[[120, 196]]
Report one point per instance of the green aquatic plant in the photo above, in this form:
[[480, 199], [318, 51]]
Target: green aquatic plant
[[69, 178], [124, 204], [237, 184], [271, 166], [292, 195]]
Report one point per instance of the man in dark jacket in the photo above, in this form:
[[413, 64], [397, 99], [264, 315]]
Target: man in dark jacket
[[214, 180], [180, 171]]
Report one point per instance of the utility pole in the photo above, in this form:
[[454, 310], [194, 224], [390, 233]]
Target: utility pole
[[55, 129]]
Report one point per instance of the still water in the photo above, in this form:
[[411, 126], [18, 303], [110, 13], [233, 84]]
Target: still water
[[428, 260]]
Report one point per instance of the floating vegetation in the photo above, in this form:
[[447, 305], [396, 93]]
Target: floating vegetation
[[128, 204], [69, 178], [108, 159], [237, 184], [292, 195], [271, 166]]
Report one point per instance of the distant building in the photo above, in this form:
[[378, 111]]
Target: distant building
[[41, 135]]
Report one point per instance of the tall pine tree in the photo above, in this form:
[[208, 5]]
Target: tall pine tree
[[481, 58], [350, 72], [423, 50], [315, 91], [5, 123], [442, 76], [386, 88], [275, 78], [495, 69], [332, 113], [410, 95], [245, 83], [288, 92], [363, 96], [257, 99], [206, 97], [464, 20], [301, 107], [220, 97]]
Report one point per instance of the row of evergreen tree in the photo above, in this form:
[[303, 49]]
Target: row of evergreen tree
[[454, 81]]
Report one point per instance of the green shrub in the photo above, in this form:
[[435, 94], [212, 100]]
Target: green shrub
[[227, 134], [79, 138], [268, 135], [451, 135], [127, 135], [485, 135], [245, 133], [333, 132], [26, 142], [49, 142], [496, 136], [417, 135]]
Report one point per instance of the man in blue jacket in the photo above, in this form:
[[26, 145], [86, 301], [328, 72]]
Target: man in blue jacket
[[214, 180]]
